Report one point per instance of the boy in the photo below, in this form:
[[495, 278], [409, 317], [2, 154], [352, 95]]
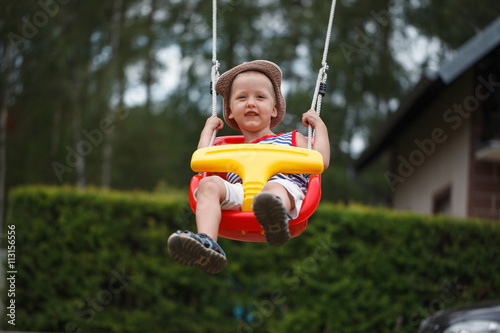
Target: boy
[[253, 104]]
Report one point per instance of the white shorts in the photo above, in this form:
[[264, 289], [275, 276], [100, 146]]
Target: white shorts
[[234, 195]]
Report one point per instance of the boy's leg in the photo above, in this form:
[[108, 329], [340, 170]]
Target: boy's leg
[[271, 207], [209, 196], [201, 249]]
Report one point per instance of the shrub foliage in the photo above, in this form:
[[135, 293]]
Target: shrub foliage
[[96, 261]]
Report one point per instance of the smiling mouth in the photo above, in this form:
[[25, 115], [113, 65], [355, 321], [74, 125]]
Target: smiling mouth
[[251, 114]]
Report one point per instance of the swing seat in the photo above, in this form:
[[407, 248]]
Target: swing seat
[[256, 163]]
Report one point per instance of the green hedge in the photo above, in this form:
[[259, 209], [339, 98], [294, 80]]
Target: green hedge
[[96, 261]]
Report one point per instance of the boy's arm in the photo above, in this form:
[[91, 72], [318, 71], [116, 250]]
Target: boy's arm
[[213, 123], [321, 140]]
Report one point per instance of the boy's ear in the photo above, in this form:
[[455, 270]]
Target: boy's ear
[[230, 115], [274, 114]]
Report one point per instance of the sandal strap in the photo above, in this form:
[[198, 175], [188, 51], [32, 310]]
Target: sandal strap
[[288, 216], [204, 240], [207, 241]]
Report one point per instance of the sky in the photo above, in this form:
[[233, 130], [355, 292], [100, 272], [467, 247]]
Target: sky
[[168, 77]]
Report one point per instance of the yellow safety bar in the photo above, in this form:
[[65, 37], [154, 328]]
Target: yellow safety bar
[[256, 163]]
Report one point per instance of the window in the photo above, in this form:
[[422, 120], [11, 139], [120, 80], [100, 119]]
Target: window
[[442, 202]]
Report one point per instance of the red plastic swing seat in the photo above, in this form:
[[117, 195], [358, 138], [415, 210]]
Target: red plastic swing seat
[[242, 225]]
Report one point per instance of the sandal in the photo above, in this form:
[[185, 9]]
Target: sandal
[[198, 250], [272, 215]]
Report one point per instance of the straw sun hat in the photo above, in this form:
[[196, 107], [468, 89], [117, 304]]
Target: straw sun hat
[[270, 69]]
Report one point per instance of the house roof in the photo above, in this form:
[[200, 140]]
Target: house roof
[[428, 87]]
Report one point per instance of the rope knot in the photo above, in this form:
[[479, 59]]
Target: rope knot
[[325, 67], [216, 65]]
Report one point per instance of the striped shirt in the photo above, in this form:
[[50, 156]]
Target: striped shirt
[[283, 139]]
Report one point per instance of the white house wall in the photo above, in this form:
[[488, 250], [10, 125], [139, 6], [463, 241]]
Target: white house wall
[[432, 155]]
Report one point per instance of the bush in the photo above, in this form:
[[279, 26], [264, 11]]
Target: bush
[[96, 261]]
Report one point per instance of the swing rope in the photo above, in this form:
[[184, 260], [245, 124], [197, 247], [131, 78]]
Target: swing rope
[[320, 88], [215, 67]]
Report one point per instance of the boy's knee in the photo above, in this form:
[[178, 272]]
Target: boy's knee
[[211, 185], [275, 188]]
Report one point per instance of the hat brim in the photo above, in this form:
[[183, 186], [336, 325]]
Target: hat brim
[[268, 68]]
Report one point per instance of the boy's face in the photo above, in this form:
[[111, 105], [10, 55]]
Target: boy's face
[[252, 101]]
